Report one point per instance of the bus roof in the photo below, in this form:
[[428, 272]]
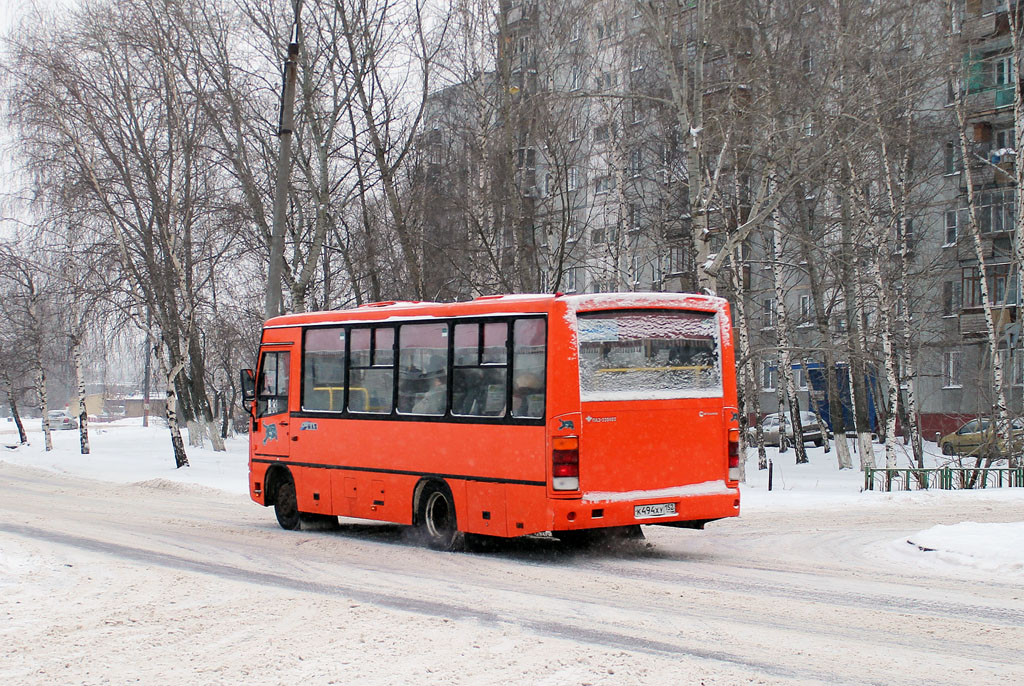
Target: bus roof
[[523, 303]]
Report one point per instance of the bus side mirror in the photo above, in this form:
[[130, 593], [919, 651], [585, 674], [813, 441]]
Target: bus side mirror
[[248, 384]]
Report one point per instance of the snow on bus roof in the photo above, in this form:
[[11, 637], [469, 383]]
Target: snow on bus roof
[[396, 311], [600, 301], [406, 310]]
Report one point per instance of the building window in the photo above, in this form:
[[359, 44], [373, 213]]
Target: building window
[[635, 267], [604, 184], [606, 80], [576, 79], [805, 309], [633, 218], [800, 372], [574, 279], [1004, 139], [637, 61], [768, 312], [572, 231], [951, 227], [526, 158], [951, 369], [769, 375], [994, 211], [574, 129], [1017, 367], [575, 30], [970, 281], [574, 179], [1002, 71], [597, 236], [807, 61], [676, 260], [638, 112], [602, 133], [636, 160], [950, 298], [951, 158], [607, 29]]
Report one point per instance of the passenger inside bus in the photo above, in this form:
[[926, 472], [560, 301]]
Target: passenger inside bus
[[527, 395], [432, 401]]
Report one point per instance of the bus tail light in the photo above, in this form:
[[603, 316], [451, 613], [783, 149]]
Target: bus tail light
[[565, 463], [734, 455]]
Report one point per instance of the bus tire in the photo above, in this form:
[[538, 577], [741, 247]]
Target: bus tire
[[286, 505], [435, 518]]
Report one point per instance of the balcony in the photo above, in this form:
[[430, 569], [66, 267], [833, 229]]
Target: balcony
[[989, 100], [972, 321]]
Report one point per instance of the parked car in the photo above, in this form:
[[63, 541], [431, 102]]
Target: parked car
[[977, 438], [60, 419], [770, 427]]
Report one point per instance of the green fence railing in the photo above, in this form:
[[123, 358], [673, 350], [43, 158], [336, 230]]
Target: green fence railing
[[944, 478]]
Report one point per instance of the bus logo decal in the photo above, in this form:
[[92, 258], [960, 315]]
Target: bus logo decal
[[308, 426], [566, 425], [271, 433]]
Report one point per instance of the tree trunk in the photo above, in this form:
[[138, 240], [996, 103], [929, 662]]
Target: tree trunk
[[1016, 40], [177, 444], [749, 391], [835, 405], [785, 346], [856, 354], [1002, 418], [43, 406], [83, 414], [22, 436]]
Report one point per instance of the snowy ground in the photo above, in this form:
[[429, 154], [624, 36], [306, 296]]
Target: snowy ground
[[117, 568], [126, 452]]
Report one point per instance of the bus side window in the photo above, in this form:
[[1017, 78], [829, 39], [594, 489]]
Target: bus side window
[[371, 369], [272, 384], [423, 369], [529, 356], [480, 376], [323, 370]]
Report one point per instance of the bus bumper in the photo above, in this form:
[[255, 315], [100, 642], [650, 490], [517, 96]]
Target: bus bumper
[[691, 510]]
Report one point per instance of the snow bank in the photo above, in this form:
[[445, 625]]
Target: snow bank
[[127, 452], [993, 547]]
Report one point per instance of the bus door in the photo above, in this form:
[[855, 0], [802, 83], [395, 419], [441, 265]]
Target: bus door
[[271, 430]]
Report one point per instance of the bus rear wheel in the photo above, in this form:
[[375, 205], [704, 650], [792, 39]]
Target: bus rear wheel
[[436, 518], [286, 506]]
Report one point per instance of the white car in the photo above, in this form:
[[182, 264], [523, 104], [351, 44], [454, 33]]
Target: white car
[[60, 419], [770, 428]]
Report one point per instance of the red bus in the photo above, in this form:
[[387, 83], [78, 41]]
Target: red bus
[[502, 416]]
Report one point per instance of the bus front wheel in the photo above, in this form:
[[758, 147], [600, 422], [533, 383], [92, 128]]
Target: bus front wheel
[[286, 506], [436, 518]]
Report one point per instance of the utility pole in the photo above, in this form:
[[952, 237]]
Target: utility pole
[[284, 136]]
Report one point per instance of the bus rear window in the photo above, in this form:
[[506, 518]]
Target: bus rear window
[[652, 354]]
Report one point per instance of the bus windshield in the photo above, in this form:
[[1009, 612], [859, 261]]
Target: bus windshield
[[649, 354]]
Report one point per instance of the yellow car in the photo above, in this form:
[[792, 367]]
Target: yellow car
[[977, 438]]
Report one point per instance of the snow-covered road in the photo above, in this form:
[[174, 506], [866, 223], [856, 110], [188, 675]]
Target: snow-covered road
[[160, 581]]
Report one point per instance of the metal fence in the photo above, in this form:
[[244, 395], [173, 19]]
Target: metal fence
[[945, 478]]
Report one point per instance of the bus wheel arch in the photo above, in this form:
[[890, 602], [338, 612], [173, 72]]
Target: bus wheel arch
[[434, 515]]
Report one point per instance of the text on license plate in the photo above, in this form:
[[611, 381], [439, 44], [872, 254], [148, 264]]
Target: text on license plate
[[654, 510]]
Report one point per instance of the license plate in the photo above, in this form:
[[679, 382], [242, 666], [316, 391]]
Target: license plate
[[654, 510]]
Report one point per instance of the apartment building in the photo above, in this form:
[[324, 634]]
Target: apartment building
[[582, 137]]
